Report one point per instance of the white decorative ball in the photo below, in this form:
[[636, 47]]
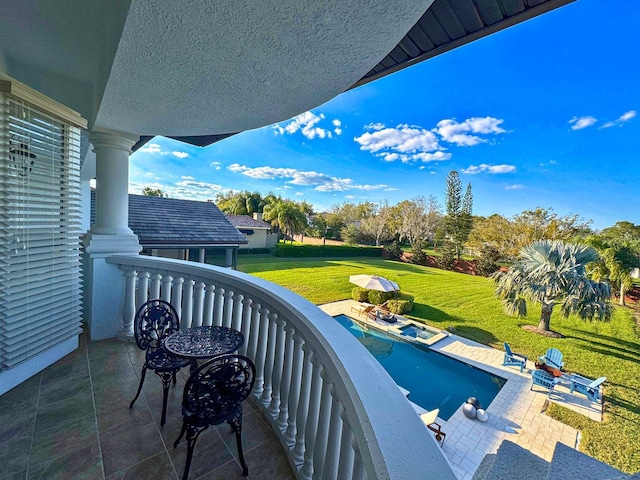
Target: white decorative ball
[[469, 410], [481, 415]]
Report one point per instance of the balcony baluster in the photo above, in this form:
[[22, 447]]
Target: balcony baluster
[[303, 404], [278, 363], [267, 385], [209, 297], [285, 382], [154, 289]]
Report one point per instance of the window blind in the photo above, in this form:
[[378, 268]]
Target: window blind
[[40, 277]]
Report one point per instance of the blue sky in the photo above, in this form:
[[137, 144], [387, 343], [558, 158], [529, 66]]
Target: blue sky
[[541, 114]]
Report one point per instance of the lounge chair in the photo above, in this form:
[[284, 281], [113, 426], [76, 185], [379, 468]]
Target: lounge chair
[[386, 316], [362, 308], [429, 419], [513, 359], [552, 358], [591, 388], [543, 379]]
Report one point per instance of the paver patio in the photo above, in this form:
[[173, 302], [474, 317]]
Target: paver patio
[[515, 414]]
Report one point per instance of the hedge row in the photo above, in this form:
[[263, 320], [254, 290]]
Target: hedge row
[[397, 303], [326, 251]]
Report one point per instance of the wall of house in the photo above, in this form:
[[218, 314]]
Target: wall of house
[[260, 239]]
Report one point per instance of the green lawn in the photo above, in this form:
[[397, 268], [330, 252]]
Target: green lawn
[[444, 299]]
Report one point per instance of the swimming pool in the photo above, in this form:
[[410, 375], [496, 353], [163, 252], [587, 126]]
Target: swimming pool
[[433, 379]]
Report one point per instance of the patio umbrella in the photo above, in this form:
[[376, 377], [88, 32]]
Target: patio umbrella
[[374, 282]]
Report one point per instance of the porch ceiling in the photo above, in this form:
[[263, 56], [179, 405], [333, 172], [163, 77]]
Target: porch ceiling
[[212, 68]]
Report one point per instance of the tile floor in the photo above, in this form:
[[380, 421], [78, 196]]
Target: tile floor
[[516, 413], [72, 421]]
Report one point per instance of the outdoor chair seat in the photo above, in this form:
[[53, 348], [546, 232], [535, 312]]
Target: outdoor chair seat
[[543, 379], [592, 389], [429, 419], [552, 358], [513, 359]]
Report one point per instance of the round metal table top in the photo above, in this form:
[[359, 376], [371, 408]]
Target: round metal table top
[[203, 342]]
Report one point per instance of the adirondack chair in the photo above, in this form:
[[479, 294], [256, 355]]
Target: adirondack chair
[[591, 388], [552, 358], [543, 379], [513, 359]]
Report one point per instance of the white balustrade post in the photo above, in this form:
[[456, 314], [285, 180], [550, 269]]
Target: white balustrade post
[[285, 382], [198, 300], [331, 457], [278, 362], [262, 351], [187, 304], [245, 324], [268, 363], [254, 332], [176, 296], [227, 308], [358, 468], [129, 310], [294, 388], [312, 418], [209, 297], [143, 288], [345, 468], [154, 289], [236, 317], [322, 433], [217, 307], [303, 404], [167, 280]]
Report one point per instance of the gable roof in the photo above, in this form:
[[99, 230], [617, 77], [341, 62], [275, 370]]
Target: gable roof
[[159, 221], [245, 221]]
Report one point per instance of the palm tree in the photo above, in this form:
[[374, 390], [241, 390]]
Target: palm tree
[[614, 265], [286, 215], [551, 272]]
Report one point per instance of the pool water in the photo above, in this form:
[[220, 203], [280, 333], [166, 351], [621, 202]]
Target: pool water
[[434, 380], [416, 332]]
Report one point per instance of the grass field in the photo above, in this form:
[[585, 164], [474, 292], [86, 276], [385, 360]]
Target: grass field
[[445, 299]]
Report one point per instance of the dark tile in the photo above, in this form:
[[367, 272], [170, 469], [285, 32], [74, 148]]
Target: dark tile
[[209, 453], [254, 433], [229, 471], [63, 390], [158, 467], [153, 393], [14, 453], [81, 464], [112, 407], [110, 363], [67, 410], [20, 397], [125, 446], [268, 462], [116, 378], [105, 348], [72, 365], [63, 439], [13, 476]]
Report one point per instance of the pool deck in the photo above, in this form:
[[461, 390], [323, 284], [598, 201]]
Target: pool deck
[[517, 413]]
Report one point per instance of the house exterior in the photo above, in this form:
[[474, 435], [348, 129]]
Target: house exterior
[[182, 229], [95, 80], [256, 231]]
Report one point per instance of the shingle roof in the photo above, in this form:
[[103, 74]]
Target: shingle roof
[[168, 221], [247, 221]]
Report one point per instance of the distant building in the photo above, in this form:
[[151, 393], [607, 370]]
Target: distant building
[[182, 229], [256, 231]]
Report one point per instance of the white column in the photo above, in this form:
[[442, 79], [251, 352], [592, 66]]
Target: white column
[[228, 258], [201, 255], [103, 282]]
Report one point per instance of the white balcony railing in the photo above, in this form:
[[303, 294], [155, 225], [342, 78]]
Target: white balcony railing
[[336, 411]]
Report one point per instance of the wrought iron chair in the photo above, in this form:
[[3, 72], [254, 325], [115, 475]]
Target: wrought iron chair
[[153, 323], [214, 394], [513, 359]]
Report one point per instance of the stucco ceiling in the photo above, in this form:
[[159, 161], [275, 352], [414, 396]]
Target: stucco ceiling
[[211, 68]]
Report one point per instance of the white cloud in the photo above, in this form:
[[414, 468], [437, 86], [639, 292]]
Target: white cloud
[[349, 197], [455, 132], [421, 167], [215, 165], [306, 124], [515, 186], [411, 143], [187, 177], [186, 189], [299, 194], [625, 117], [578, 123], [180, 154], [151, 148], [483, 167], [320, 181]]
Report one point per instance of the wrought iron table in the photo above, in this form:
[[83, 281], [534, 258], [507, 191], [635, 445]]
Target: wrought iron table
[[199, 343]]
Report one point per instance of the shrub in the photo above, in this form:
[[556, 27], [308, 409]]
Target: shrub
[[419, 255], [377, 297], [488, 261], [447, 258], [394, 251], [402, 304], [360, 294]]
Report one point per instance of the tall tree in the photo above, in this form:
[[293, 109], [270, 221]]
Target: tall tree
[[377, 225], [153, 192], [551, 273], [458, 216], [420, 218], [286, 215]]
